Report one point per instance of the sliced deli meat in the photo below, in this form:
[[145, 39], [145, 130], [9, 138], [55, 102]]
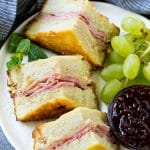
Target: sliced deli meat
[[52, 83], [100, 130], [80, 129], [73, 27], [97, 34], [50, 87]]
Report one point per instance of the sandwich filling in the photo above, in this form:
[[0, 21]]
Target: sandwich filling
[[99, 35], [100, 130], [53, 82]]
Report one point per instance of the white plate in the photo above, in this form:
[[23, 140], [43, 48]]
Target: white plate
[[20, 134]]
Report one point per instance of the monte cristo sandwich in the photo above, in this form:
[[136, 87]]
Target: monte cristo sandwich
[[47, 88], [79, 129], [72, 27]]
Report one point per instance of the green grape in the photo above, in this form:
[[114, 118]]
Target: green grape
[[115, 58], [131, 66], [146, 58], [140, 79], [137, 81], [113, 71], [110, 89], [140, 44], [145, 54], [122, 46], [133, 25], [129, 37], [146, 71]]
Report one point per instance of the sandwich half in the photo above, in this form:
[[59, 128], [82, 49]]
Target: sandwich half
[[72, 27], [47, 88], [79, 129]]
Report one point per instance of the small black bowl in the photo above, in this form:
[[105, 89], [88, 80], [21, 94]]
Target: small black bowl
[[129, 117]]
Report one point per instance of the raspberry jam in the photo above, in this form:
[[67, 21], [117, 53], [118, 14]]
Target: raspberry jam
[[129, 117]]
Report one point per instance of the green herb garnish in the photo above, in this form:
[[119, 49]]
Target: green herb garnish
[[36, 52], [24, 46], [14, 61], [21, 46], [14, 41]]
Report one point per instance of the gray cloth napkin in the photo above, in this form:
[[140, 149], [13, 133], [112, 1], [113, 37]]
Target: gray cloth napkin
[[12, 11], [4, 144], [138, 6]]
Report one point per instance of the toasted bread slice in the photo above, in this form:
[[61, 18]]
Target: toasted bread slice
[[80, 129], [72, 27], [47, 88]]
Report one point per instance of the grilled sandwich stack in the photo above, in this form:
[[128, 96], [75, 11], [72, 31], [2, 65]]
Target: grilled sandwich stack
[[73, 27], [48, 88], [80, 129]]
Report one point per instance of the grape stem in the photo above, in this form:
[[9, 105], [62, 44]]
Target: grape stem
[[147, 51], [125, 81]]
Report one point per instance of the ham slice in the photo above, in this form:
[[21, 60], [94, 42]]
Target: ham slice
[[99, 35], [100, 130], [53, 82]]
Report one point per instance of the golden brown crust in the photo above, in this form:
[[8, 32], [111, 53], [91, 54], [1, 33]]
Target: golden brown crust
[[36, 134], [39, 137], [49, 110], [37, 131], [64, 42]]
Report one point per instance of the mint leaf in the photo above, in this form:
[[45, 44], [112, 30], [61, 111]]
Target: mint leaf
[[36, 52], [15, 61], [21, 47], [24, 46], [13, 42]]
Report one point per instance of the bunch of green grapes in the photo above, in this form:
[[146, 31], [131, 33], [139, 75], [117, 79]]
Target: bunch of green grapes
[[129, 62]]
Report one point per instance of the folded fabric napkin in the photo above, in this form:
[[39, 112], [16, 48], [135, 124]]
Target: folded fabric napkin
[[138, 6], [12, 11], [4, 144]]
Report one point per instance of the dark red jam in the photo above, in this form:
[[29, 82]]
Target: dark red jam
[[129, 117]]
